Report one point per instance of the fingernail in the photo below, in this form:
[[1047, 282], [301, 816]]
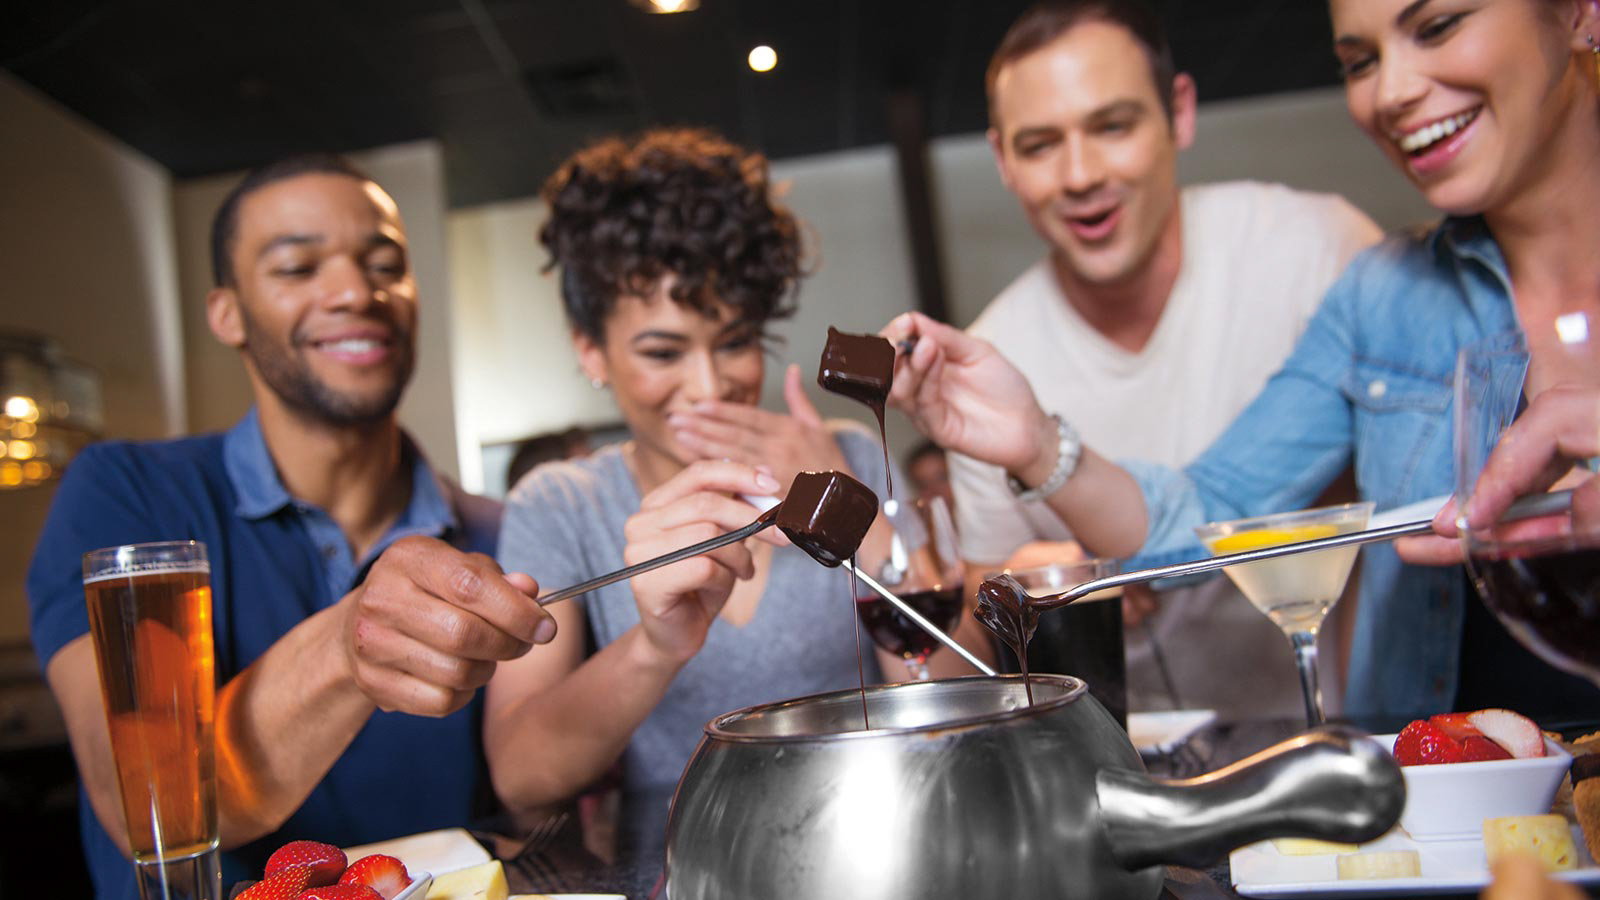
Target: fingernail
[[544, 631], [683, 437], [766, 482]]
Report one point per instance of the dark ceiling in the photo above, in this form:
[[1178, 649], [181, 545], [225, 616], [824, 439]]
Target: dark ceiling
[[511, 87]]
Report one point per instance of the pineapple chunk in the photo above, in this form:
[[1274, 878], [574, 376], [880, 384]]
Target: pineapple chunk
[[1310, 847], [1380, 864], [486, 881], [1546, 837]]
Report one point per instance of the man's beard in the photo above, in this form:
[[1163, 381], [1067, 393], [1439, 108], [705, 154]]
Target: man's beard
[[288, 376]]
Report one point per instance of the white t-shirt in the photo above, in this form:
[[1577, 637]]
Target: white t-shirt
[[1257, 259]]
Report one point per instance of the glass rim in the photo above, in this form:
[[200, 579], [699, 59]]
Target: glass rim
[[124, 560], [1334, 512]]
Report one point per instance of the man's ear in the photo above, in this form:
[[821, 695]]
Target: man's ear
[[997, 147], [224, 317], [1184, 101]]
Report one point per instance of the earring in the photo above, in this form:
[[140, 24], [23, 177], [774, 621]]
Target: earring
[[598, 383]]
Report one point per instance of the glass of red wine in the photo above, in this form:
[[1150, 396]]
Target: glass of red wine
[[1541, 576], [924, 569]]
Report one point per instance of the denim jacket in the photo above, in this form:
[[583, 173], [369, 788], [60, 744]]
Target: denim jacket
[[1369, 382]]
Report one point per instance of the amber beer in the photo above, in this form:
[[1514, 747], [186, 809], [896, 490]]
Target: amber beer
[[150, 614]]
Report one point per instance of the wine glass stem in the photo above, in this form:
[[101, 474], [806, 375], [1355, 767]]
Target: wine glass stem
[[1305, 657], [918, 668]]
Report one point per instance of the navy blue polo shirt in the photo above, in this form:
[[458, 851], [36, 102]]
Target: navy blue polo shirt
[[274, 562]]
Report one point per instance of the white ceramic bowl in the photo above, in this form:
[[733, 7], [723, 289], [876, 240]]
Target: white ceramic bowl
[[418, 888], [1449, 802]]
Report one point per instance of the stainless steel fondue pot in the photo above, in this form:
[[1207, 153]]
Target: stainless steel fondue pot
[[961, 790]]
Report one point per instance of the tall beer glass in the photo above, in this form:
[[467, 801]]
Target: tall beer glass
[[150, 613]]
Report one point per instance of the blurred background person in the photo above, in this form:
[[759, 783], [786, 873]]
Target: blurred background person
[[568, 443], [929, 472]]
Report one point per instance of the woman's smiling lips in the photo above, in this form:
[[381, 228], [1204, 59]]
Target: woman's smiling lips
[[1433, 146]]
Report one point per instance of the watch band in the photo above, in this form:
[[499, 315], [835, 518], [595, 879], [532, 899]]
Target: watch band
[[1069, 448]]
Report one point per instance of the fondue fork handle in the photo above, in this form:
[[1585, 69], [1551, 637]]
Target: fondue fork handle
[[600, 581], [919, 619], [1528, 507]]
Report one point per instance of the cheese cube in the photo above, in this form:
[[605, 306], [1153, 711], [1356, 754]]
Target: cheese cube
[[1310, 847], [1547, 837], [486, 881], [1380, 864]]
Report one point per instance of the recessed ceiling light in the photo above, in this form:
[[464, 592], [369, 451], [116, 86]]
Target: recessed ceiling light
[[667, 6], [762, 58]]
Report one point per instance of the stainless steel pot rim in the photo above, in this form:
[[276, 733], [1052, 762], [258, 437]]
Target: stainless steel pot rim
[[1073, 689]]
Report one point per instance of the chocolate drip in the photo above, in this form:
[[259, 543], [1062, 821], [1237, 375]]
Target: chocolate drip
[[827, 515], [1006, 609], [861, 367]]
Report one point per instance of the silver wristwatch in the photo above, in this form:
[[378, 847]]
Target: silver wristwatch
[[1067, 453]]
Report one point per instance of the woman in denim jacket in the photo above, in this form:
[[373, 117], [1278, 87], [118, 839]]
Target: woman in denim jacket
[[1491, 108]]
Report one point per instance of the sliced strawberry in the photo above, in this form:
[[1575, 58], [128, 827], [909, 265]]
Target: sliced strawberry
[[284, 885], [1513, 731], [324, 861], [1477, 748], [1424, 744], [1456, 725], [340, 892], [384, 874]]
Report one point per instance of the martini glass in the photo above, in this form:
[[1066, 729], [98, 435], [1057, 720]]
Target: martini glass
[[1540, 577], [1294, 591]]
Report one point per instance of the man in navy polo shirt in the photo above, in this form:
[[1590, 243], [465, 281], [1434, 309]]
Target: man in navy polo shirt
[[356, 611]]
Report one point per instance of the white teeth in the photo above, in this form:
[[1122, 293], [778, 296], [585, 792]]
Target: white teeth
[[351, 345], [1430, 134]]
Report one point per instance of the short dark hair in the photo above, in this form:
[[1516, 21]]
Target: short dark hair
[[225, 225], [624, 213], [1044, 22], [923, 448]]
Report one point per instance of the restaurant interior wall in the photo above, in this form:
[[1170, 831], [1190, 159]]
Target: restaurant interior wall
[[219, 391], [87, 249]]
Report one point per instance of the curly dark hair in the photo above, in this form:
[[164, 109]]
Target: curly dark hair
[[624, 213]]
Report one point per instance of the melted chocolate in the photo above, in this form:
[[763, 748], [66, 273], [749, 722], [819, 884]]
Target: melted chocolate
[[827, 514], [1007, 610], [861, 367]]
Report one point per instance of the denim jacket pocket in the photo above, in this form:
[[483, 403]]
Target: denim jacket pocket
[[1401, 417]]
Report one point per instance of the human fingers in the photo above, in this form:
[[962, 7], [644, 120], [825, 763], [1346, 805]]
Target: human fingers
[[1560, 427], [724, 476], [400, 672], [794, 396], [708, 514], [1430, 550], [734, 557], [479, 614], [711, 438]]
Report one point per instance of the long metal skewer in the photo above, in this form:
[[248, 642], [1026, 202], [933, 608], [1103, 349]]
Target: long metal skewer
[[766, 519], [918, 618], [1526, 508]]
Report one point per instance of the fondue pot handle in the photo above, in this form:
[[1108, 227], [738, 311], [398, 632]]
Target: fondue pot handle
[[1333, 783]]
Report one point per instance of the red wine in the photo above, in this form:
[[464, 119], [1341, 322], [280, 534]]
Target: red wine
[[894, 631], [1547, 594]]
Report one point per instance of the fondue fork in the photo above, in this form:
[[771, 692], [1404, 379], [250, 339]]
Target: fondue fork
[[1530, 507], [918, 619], [599, 581]]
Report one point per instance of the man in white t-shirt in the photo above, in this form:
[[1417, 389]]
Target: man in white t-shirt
[[1157, 314]]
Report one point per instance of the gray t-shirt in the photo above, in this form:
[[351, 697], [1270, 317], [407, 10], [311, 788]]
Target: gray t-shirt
[[564, 523]]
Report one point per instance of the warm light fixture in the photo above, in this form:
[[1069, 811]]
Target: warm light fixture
[[762, 58], [667, 6], [49, 409]]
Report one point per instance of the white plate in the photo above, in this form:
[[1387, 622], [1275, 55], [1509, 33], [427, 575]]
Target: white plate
[[418, 888], [1448, 867], [445, 850], [1162, 732]]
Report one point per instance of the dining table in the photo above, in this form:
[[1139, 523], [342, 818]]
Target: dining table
[[561, 864]]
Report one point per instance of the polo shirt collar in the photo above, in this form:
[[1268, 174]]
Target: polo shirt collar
[[261, 492]]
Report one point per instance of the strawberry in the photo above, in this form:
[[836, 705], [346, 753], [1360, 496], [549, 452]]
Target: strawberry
[[1477, 748], [1456, 725], [384, 874], [325, 862], [1513, 731], [340, 892], [1424, 744], [284, 885]]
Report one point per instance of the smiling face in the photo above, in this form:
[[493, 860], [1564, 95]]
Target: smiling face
[[323, 303], [660, 357], [1082, 138], [1469, 98]]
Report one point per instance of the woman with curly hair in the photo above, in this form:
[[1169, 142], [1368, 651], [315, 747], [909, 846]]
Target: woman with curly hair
[[674, 259]]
